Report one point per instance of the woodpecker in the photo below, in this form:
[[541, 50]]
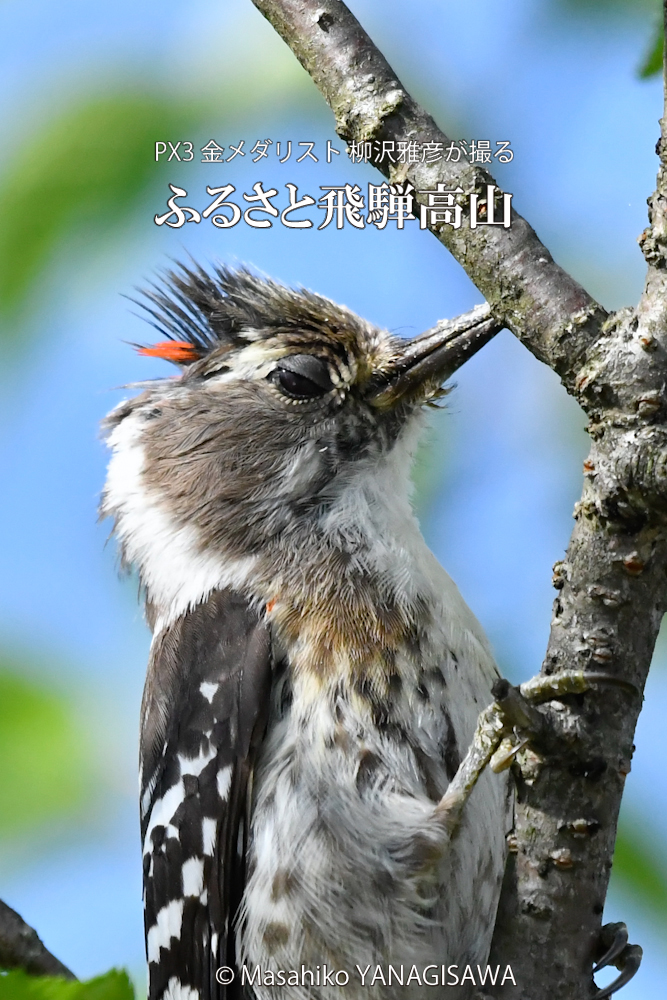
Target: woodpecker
[[315, 676]]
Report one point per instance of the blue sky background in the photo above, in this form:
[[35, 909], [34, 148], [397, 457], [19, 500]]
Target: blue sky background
[[504, 457]]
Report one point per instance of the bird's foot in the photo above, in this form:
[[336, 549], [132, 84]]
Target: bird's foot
[[530, 725], [491, 728], [507, 725], [544, 687], [617, 952], [526, 722]]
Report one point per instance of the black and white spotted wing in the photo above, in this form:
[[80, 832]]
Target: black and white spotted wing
[[203, 716]]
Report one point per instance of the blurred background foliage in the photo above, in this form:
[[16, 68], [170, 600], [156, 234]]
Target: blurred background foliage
[[113, 985], [85, 169], [44, 768], [499, 469]]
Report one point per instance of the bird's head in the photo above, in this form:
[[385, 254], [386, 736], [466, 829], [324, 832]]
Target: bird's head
[[283, 400]]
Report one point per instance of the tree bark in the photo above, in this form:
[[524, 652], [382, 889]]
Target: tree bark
[[21, 948], [611, 584]]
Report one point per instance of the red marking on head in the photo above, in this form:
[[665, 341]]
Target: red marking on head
[[270, 605], [179, 351]]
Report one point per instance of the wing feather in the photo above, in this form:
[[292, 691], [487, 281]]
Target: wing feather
[[203, 717]]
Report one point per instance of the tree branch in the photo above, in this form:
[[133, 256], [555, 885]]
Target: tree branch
[[21, 948], [517, 275], [611, 584], [653, 241], [611, 603]]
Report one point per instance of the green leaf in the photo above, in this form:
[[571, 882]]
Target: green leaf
[[639, 868], [652, 64], [87, 169], [115, 985], [43, 768]]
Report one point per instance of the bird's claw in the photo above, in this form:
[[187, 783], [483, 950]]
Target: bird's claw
[[507, 725], [544, 687], [614, 937], [625, 957], [523, 723]]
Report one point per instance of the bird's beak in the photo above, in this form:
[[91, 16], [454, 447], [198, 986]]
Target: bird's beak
[[426, 361]]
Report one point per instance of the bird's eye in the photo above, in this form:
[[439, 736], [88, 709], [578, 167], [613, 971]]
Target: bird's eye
[[297, 386], [302, 376]]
